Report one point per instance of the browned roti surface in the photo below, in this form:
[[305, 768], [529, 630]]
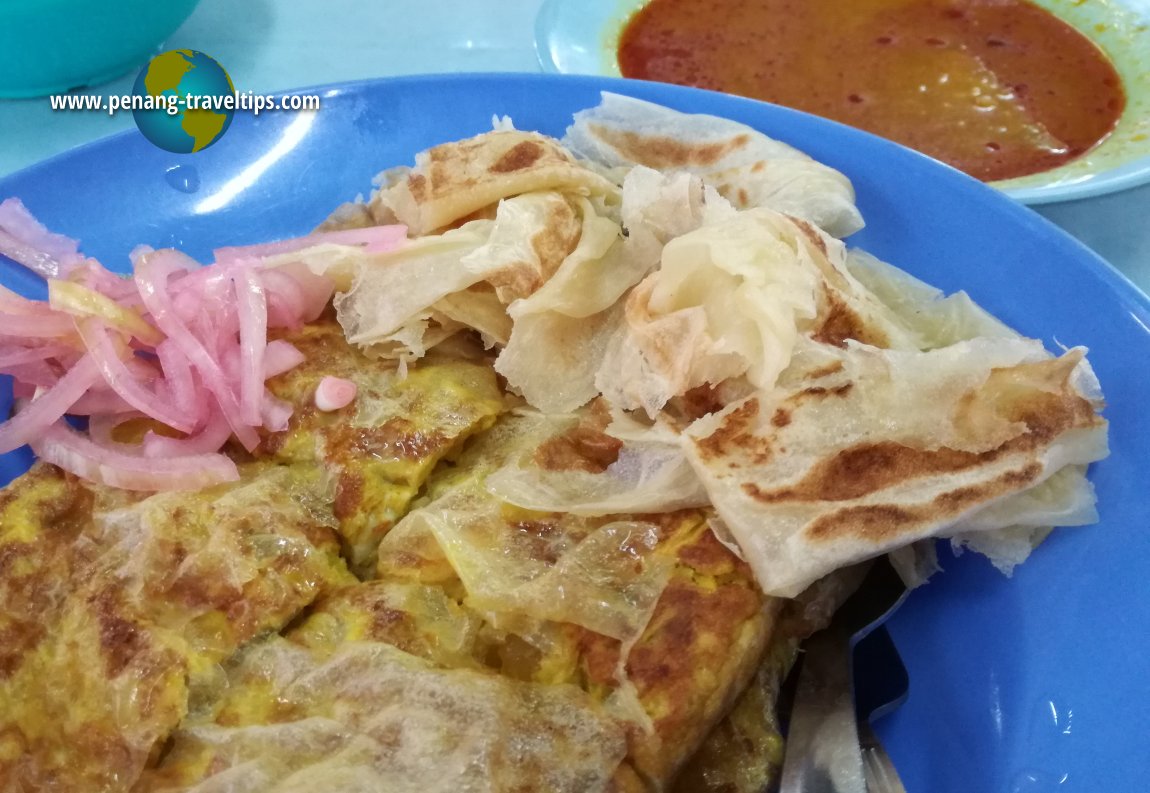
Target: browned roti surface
[[109, 598]]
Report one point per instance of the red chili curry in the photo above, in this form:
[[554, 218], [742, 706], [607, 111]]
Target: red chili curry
[[996, 88]]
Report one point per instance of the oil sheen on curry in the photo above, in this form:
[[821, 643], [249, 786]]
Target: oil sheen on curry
[[996, 88]]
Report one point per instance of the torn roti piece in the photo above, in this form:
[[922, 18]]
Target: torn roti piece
[[581, 469], [378, 450], [117, 611], [879, 448], [404, 301], [453, 180], [562, 331], [748, 168], [367, 716], [939, 320], [731, 299]]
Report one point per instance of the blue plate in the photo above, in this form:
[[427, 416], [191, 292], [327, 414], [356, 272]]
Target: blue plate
[[1038, 683]]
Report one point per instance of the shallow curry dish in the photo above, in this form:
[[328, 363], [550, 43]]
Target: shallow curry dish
[[253, 191], [583, 38]]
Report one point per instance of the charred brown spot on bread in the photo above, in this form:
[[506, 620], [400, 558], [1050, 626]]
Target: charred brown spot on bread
[[16, 638], [758, 167], [417, 185], [708, 556], [384, 619], [520, 156], [1038, 395], [348, 494], [744, 199], [811, 233], [598, 414], [656, 151], [700, 401], [834, 367], [599, 657], [863, 469], [842, 322], [840, 390], [396, 439], [200, 592], [734, 433], [860, 470], [539, 538], [688, 639], [558, 238], [42, 513], [120, 639], [581, 448], [961, 498], [874, 523], [551, 245], [781, 418], [885, 523], [517, 281]]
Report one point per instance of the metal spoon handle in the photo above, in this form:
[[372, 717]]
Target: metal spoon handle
[[823, 754]]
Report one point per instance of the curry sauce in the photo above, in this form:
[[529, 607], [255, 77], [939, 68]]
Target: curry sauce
[[996, 88]]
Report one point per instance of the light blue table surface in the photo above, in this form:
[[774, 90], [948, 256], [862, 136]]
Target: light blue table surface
[[268, 46]]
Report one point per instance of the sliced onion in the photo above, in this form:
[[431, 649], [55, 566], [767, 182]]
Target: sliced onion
[[38, 374], [99, 401], [287, 303], [45, 409], [334, 393], [374, 239], [62, 446], [95, 276], [179, 344], [253, 321], [181, 381], [20, 355], [193, 277], [281, 356], [210, 438], [151, 276], [275, 413], [316, 289], [78, 300], [25, 241], [22, 253], [14, 303], [19, 222], [118, 377], [30, 326], [101, 428]]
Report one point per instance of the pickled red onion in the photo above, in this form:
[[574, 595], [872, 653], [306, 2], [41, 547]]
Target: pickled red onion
[[334, 393], [152, 274], [253, 321], [66, 448], [208, 438], [181, 382], [25, 241], [281, 356], [179, 344], [49, 406], [17, 355], [121, 380], [374, 239]]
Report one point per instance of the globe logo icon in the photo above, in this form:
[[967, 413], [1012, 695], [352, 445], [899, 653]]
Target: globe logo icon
[[188, 111]]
